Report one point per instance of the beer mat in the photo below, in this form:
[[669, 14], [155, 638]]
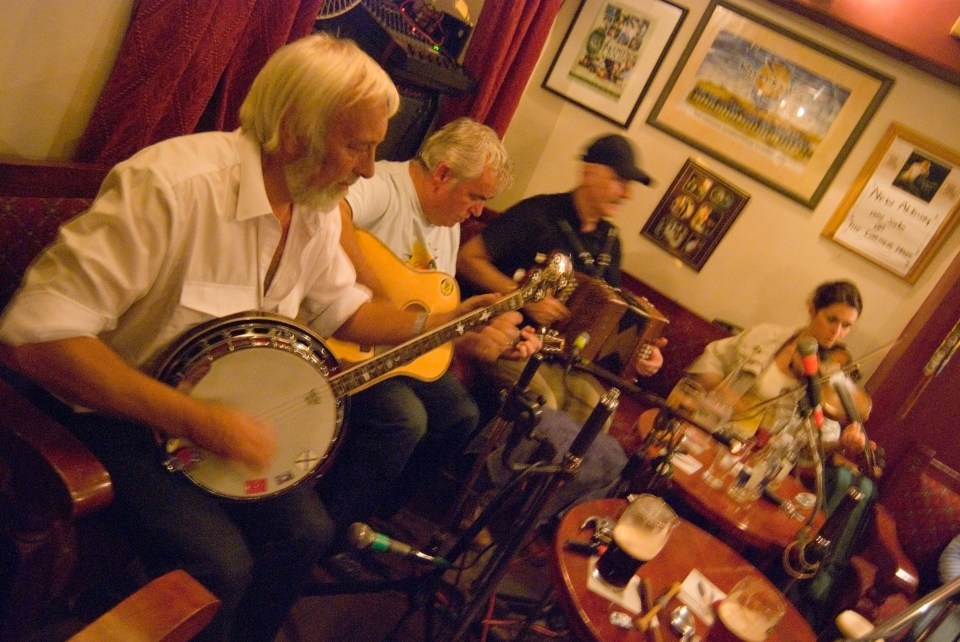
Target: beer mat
[[700, 594], [686, 463], [628, 598]]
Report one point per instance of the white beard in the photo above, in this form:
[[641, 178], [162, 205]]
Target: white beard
[[298, 176]]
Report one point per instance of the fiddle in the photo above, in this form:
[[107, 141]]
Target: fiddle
[[846, 402], [838, 361]]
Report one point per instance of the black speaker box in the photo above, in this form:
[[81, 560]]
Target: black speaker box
[[409, 126]]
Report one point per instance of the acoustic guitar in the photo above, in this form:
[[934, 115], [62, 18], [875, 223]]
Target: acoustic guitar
[[409, 288]]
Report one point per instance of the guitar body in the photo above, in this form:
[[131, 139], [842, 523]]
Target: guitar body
[[410, 289]]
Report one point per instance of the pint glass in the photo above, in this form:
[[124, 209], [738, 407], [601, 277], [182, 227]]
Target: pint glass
[[749, 613], [641, 532]]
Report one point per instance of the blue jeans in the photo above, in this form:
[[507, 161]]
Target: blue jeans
[[253, 556], [398, 433], [602, 463]]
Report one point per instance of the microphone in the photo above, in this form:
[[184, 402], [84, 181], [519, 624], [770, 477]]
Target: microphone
[[363, 537], [807, 347], [579, 343]]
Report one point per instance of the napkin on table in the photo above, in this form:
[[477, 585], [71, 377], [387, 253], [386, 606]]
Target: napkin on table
[[700, 594]]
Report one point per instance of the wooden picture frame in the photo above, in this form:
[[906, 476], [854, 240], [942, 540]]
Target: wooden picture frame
[[610, 54], [694, 214], [770, 103], [902, 205]]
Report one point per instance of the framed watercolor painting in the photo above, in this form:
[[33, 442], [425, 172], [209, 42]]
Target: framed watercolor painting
[[694, 214], [610, 54], [770, 103], [903, 205]]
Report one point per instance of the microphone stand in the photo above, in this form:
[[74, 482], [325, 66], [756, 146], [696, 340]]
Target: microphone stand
[[517, 410], [804, 568], [535, 482]]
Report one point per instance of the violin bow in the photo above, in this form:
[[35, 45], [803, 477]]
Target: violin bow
[[840, 384]]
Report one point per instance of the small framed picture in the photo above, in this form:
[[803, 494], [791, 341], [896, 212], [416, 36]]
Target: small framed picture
[[694, 214], [611, 53]]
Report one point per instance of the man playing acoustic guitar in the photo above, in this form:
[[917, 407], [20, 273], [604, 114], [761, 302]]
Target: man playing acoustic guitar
[[402, 429]]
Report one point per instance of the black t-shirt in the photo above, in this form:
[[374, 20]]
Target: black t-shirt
[[531, 227]]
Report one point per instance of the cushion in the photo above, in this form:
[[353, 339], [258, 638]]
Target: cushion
[[27, 225]]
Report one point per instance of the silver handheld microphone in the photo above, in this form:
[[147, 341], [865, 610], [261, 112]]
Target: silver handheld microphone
[[362, 537]]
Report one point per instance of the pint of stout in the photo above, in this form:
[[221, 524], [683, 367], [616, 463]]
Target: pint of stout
[[748, 614], [641, 532]]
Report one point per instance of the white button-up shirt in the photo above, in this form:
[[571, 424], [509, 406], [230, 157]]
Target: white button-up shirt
[[179, 234]]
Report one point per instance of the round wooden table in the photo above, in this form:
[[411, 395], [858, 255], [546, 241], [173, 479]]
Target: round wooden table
[[760, 524], [689, 548]]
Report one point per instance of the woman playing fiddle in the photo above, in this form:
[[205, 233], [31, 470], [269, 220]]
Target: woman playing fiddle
[[760, 364]]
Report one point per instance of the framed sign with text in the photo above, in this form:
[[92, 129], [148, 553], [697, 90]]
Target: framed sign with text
[[903, 204]]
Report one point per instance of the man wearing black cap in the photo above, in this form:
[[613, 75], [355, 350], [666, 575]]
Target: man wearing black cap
[[575, 222]]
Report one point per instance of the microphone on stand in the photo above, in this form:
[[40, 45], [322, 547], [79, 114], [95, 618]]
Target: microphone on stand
[[363, 537], [591, 428], [808, 347], [576, 348]]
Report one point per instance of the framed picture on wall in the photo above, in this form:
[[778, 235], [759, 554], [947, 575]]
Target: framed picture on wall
[[903, 204], [770, 103], [610, 54], [694, 214]]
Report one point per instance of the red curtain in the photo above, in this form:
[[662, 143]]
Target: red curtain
[[186, 66], [503, 51]]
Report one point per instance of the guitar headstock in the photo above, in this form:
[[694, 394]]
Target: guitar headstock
[[551, 276], [552, 342]]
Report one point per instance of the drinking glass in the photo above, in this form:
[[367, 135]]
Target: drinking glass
[[714, 410], [639, 534], [686, 395], [777, 417], [723, 462], [749, 612]]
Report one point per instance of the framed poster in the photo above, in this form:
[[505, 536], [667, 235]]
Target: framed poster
[[770, 103], [694, 214], [611, 52], [903, 204]]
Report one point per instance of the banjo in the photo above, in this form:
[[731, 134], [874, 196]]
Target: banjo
[[280, 370]]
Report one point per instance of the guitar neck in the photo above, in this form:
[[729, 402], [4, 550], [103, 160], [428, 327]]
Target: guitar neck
[[363, 373]]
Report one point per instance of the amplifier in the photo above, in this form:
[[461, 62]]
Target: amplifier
[[394, 40]]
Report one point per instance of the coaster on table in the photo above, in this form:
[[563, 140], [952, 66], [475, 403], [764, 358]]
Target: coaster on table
[[700, 594], [628, 598], [686, 463]]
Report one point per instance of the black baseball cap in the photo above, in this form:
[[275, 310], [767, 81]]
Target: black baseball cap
[[616, 152]]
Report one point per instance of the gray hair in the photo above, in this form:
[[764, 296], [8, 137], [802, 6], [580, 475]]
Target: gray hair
[[468, 148], [306, 83]]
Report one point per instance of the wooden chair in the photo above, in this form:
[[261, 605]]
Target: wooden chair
[[58, 544], [172, 608]]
